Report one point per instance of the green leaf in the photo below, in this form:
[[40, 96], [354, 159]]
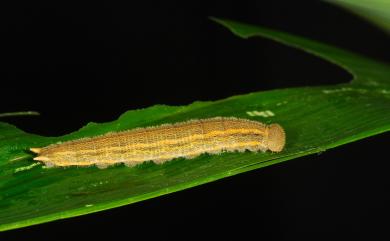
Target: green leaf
[[315, 119], [376, 11]]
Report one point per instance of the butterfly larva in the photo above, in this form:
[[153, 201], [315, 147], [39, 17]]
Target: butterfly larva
[[165, 142]]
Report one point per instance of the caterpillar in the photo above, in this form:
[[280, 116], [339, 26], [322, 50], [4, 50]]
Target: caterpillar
[[162, 143]]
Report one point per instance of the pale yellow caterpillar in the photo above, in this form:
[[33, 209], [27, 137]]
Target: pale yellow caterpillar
[[162, 143]]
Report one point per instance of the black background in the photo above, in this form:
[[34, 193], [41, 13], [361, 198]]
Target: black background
[[81, 63]]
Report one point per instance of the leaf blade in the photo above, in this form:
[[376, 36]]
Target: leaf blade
[[376, 11], [361, 68], [337, 114]]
